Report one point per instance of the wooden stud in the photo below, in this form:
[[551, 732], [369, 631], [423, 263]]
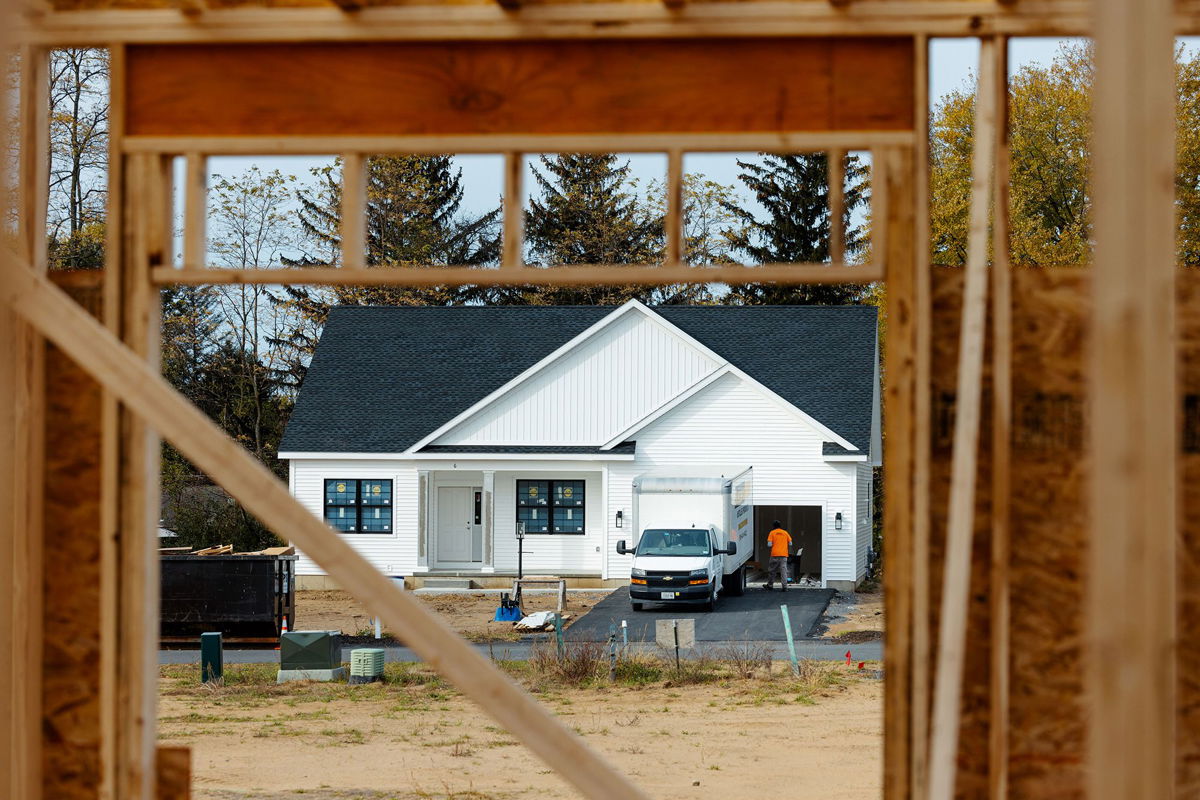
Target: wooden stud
[[348, 6], [173, 767], [956, 571], [512, 241], [509, 5], [34, 154], [836, 160], [195, 212], [573, 275], [673, 222], [734, 142], [198, 438], [1001, 444], [354, 212], [1130, 635], [895, 168], [922, 339]]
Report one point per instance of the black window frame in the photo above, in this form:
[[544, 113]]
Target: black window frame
[[553, 501], [360, 523]]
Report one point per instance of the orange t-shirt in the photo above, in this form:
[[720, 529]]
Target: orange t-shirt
[[779, 540]]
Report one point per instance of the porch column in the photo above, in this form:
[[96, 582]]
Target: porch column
[[489, 519], [423, 519]]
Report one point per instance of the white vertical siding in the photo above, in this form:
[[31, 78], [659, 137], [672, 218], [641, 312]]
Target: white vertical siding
[[732, 424], [863, 510], [394, 553], [574, 401]]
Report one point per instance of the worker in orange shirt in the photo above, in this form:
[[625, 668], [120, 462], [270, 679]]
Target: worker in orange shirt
[[780, 542]]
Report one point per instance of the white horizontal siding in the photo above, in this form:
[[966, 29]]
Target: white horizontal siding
[[863, 509], [732, 423], [593, 392], [393, 553]]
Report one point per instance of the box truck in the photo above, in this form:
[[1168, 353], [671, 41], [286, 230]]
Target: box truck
[[695, 533]]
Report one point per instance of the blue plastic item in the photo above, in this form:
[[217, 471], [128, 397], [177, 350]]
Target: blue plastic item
[[508, 614]]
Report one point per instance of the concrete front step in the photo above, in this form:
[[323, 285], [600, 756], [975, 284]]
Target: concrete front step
[[449, 583]]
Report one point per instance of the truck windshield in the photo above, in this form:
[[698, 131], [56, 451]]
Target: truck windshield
[[685, 542]]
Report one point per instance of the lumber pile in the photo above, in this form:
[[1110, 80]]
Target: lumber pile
[[225, 550]]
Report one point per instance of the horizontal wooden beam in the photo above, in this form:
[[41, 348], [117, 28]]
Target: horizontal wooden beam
[[948, 18], [579, 20], [787, 274], [738, 142], [139, 386], [528, 87]]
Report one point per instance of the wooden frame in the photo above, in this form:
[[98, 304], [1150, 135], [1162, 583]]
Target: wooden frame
[[1131, 659]]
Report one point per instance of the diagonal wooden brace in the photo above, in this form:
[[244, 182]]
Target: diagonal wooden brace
[[143, 391]]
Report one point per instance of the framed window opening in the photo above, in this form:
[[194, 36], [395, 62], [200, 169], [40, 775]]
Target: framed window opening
[[358, 505], [551, 506]]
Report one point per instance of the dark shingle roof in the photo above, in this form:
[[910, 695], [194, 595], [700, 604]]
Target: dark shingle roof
[[622, 449], [382, 378]]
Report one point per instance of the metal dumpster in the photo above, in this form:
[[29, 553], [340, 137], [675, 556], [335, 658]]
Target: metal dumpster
[[245, 597]]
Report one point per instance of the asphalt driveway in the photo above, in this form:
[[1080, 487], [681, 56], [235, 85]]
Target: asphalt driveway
[[753, 617]]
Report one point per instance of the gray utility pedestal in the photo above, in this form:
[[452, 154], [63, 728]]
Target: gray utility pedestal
[[310, 656]]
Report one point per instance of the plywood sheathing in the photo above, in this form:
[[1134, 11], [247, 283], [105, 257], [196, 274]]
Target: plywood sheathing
[[71, 655], [973, 735], [1188, 697]]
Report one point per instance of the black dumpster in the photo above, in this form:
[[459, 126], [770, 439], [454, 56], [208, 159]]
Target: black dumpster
[[245, 597]]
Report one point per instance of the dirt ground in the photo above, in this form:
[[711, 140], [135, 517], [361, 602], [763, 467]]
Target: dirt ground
[[743, 737], [854, 616], [469, 614]]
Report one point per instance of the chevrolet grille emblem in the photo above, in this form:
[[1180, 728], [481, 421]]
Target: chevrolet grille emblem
[[667, 578]]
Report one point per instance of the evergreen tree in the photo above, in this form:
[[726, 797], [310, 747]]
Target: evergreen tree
[[413, 219], [587, 211], [794, 191]]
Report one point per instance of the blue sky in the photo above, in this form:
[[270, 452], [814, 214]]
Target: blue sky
[[952, 64]]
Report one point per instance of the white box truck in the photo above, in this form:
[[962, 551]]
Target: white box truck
[[695, 533]]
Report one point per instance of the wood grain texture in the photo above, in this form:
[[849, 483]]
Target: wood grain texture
[[71, 708], [174, 769], [546, 87]]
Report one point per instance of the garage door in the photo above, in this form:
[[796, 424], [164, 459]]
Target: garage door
[[802, 522]]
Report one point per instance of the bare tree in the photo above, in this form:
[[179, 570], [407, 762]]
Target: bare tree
[[79, 82]]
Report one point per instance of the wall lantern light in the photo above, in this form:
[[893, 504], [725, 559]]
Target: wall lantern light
[[837, 521], [620, 518]]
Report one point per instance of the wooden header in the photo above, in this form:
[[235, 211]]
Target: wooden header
[[528, 87]]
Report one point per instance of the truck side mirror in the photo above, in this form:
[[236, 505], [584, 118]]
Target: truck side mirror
[[621, 550], [731, 550]]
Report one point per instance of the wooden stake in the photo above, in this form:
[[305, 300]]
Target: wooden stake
[[144, 391], [956, 581], [1130, 634]]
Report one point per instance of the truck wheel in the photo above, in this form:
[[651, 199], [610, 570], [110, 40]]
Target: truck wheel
[[636, 606], [711, 603], [735, 583]]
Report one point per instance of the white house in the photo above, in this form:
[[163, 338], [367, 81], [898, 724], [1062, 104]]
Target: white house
[[425, 434]]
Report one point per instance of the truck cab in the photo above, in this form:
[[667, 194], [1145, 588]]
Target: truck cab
[[678, 562]]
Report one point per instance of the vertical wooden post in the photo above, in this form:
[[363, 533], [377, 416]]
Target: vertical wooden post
[[922, 336], [354, 211], [676, 246], [836, 170], [1001, 279], [956, 573], [512, 242], [899, 261], [1130, 634], [195, 213]]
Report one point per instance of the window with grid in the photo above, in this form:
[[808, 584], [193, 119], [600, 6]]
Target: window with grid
[[550, 506], [358, 506]]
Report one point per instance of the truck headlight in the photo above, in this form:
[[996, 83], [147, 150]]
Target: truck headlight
[[637, 573], [698, 576]]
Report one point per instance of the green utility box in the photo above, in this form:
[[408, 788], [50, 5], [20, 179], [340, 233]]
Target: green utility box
[[310, 650], [366, 665], [310, 656]]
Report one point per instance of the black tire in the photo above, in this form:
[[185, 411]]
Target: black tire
[[710, 604], [735, 583], [637, 606]]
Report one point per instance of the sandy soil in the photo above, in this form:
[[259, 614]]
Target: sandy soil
[[469, 614], [854, 616], [739, 738]]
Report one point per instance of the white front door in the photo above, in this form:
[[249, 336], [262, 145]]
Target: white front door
[[456, 526]]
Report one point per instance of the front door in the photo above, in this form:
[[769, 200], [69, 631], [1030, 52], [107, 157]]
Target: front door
[[458, 529]]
